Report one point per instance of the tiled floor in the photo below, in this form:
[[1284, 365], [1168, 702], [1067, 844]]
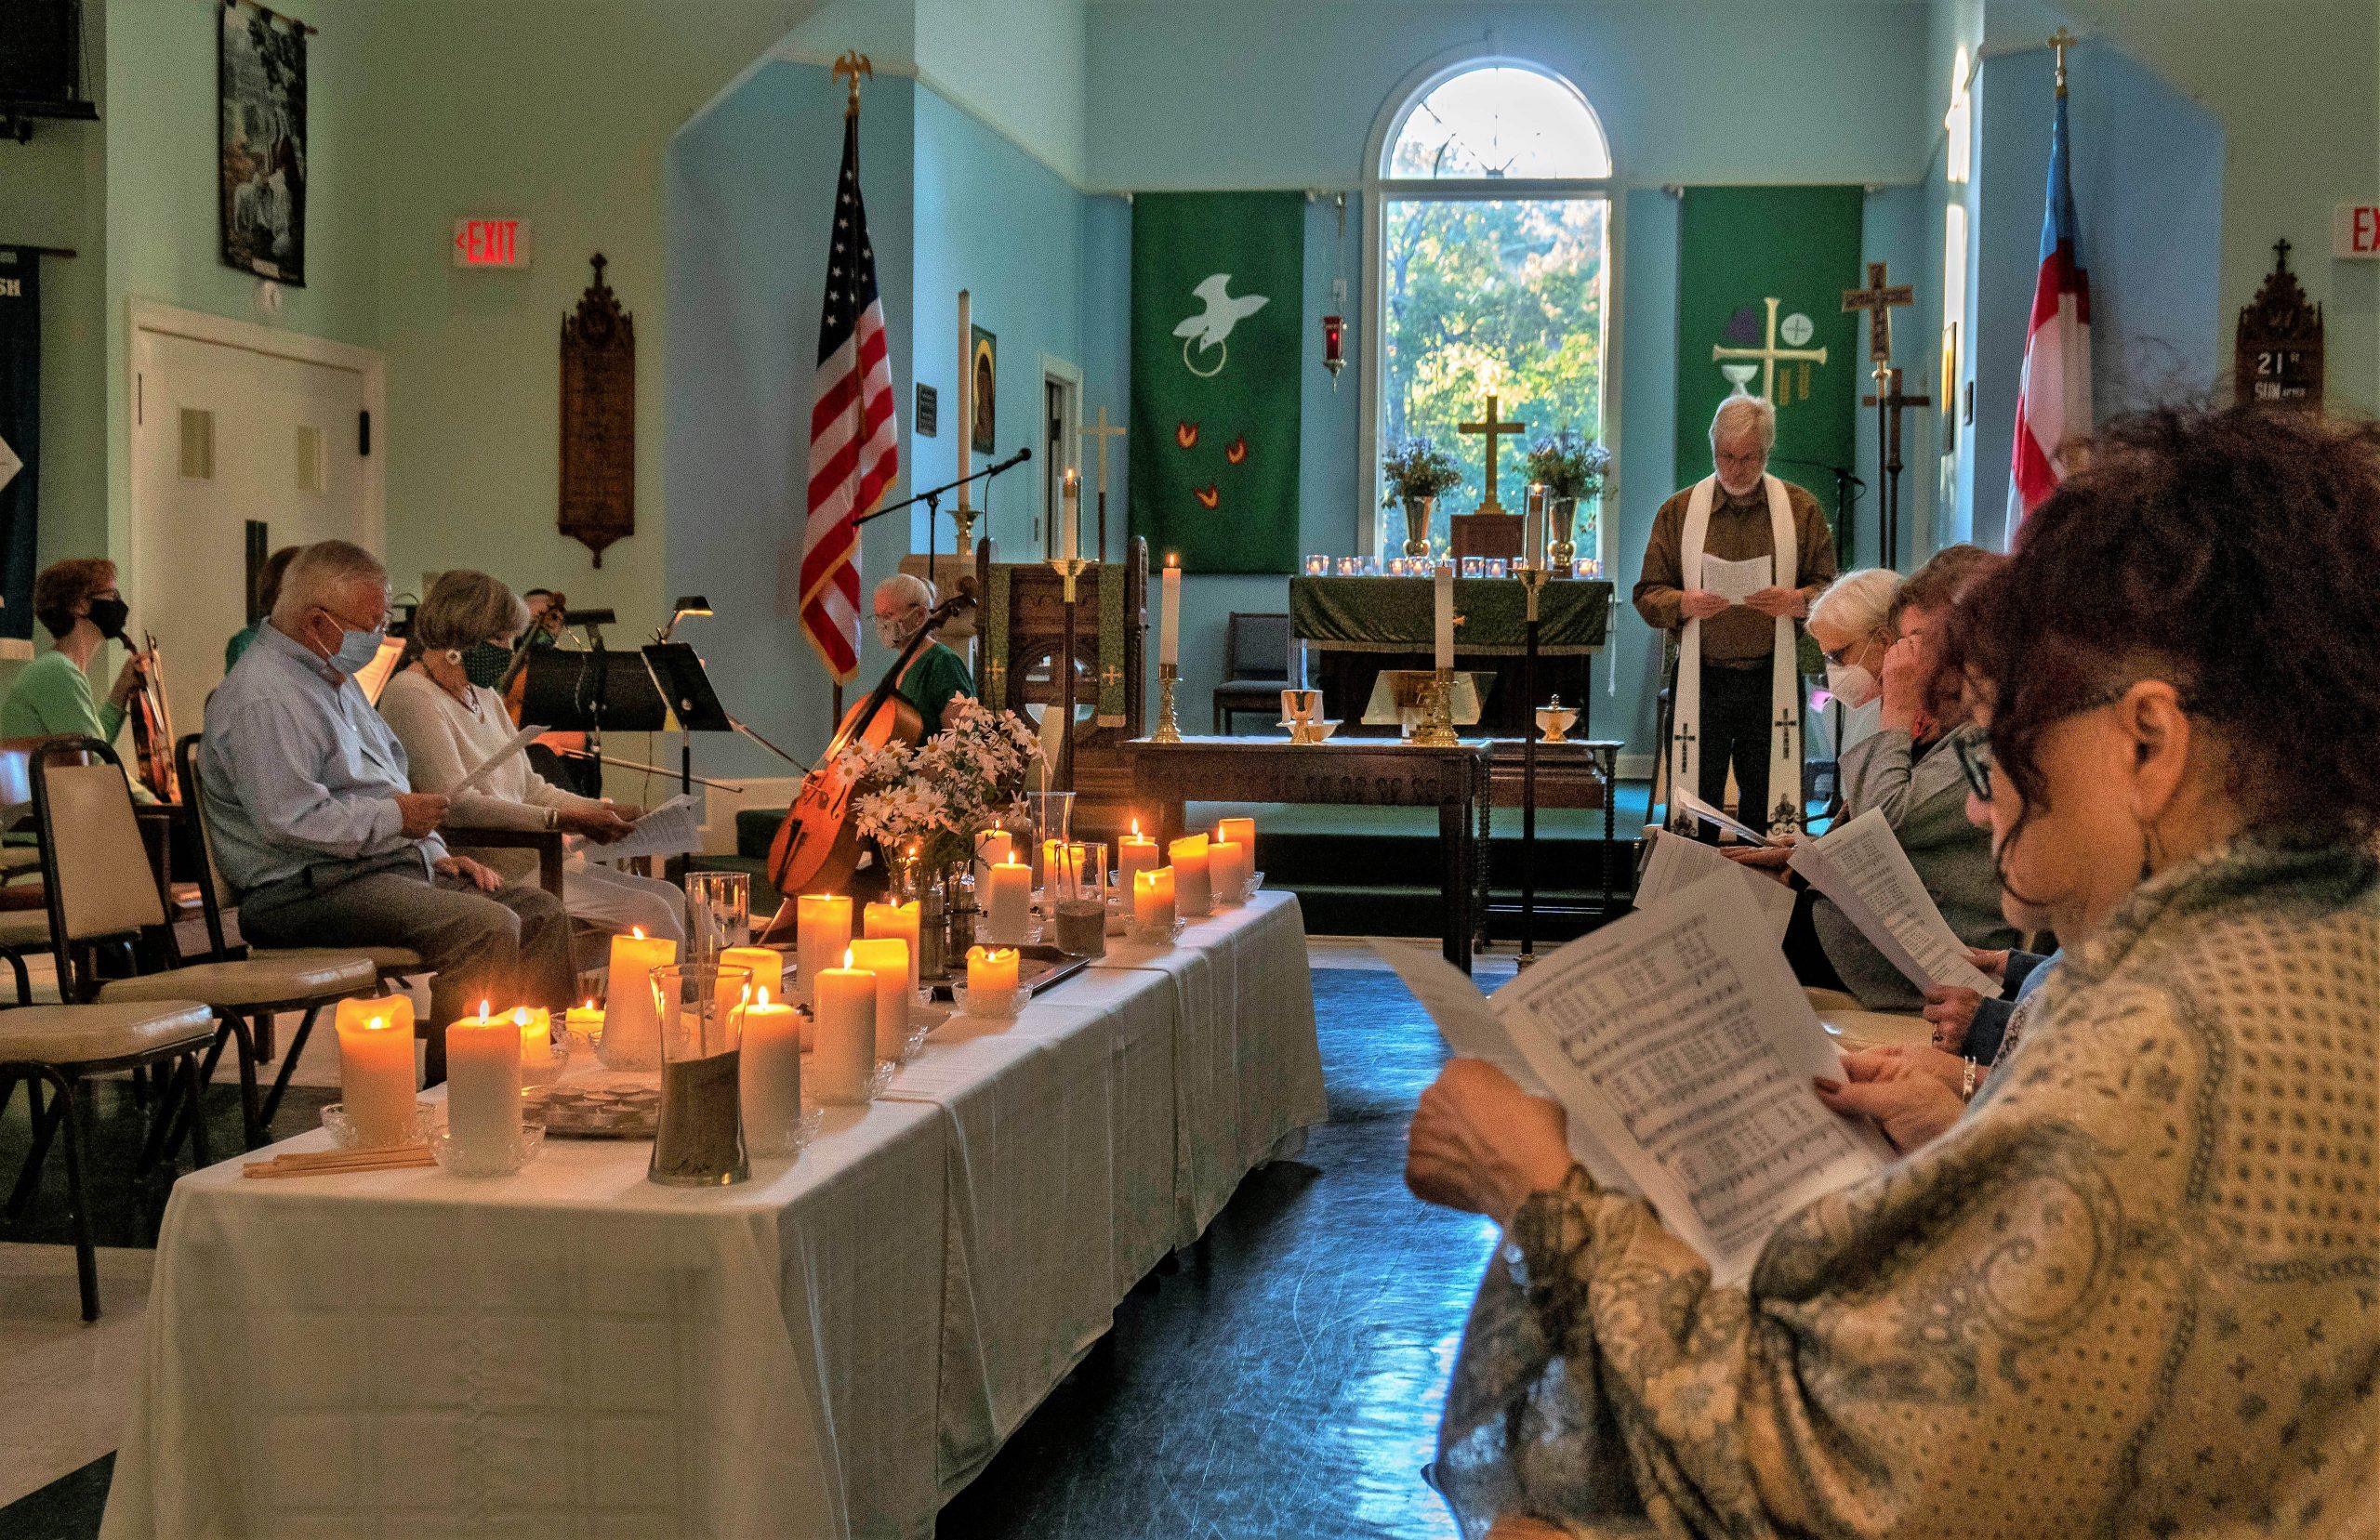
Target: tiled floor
[[1284, 1380]]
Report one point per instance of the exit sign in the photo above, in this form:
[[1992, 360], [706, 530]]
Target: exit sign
[[491, 243], [2355, 230]]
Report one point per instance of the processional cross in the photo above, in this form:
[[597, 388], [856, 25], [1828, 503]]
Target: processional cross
[[1769, 354], [1098, 437], [1879, 298], [1493, 429]]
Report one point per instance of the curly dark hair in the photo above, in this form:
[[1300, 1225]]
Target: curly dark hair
[[2229, 552]]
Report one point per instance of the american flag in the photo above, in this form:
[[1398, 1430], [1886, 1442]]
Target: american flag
[[855, 440], [2053, 403]]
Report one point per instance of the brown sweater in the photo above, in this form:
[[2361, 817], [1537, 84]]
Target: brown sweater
[[1738, 531]]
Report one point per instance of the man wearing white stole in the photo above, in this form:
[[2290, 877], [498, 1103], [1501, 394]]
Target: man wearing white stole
[[1732, 566]]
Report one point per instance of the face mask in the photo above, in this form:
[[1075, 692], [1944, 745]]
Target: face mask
[[356, 650], [889, 632], [1852, 684], [484, 664], [109, 615]]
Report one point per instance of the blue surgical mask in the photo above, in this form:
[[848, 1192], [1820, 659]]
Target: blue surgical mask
[[356, 650]]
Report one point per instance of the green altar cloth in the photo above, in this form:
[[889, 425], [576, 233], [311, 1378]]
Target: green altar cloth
[[1393, 614]]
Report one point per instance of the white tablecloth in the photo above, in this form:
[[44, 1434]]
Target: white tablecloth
[[830, 1348]]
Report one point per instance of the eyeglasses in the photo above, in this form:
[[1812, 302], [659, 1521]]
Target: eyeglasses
[[1974, 754]]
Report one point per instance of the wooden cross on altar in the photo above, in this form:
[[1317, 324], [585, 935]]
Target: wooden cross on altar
[[1880, 299], [1493, 429], [1098, 436], [1769, 354], [1889, 403]]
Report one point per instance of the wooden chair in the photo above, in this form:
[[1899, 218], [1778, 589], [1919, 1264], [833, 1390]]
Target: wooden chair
[[1256, 666], [102, 892]]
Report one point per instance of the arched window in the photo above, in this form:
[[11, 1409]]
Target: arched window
[[1492, 258]]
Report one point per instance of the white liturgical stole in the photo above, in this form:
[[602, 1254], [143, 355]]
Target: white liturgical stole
[[1784, 684]]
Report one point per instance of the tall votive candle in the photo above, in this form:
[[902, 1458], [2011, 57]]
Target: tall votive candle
[[887, 958], [1152, 899], [631, 1031], [765, 964], [1241, 832], [1135, 853], [770, 1083], [1227, 870], [376, 1076], [483, 1092], [842, 1001], [894, 922], [1193, 892], [822, 931], [1169, 644], [1008, 903]]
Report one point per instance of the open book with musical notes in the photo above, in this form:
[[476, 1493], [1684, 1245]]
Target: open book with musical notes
[[1683, 1052]]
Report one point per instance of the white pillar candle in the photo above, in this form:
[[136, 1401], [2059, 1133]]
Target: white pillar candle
[[1193, 894], [1135, 853], [376, 1077], [1070, 514], [1442, 592], [1168, 635], [822, 930], [1533, 527], [1008, 903], [991, 970], [584, 1021], [1152, 899], [887, 958], [766, 966], [992, 846], [770, 1077], [844, 1005], [895, 921], [631, 1032], [1241, 832], [1227, 870], [536, 1029], [484, 1091]]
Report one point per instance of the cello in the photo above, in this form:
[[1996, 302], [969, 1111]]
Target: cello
[[817, 844], [152, 726]]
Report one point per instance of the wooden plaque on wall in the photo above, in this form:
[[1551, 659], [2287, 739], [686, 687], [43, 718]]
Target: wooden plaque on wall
[[598, 418], [2277, 353]]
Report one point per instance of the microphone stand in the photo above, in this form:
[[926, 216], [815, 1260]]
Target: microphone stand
[[1843, 498], [932, 498]]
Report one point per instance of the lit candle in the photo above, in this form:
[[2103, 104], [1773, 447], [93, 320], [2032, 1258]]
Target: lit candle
[[822, 929], [631, 1032], [1533, 527], [1241, 832], [770, 1078], [484, 1091], [1444, 594], [1152, 899], [887, 958], [991, 970], [536, 1034], [766, 966], [1052, 851], [1169, 636], [844, 1005], [1135, 853], [891, 921], [376, 1082], [1227, 870], [587, 1021], [992, 846], [1070, 517], [1008, 903], [1192, 890]]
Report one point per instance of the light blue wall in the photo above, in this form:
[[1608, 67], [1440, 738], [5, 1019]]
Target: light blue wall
[[1019, 63], [1628, 677]]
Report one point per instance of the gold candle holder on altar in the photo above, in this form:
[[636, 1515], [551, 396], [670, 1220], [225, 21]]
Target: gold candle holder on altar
[[1169, 725], [1069, 569], [1436, 728], [1562, 551], [964, 517]]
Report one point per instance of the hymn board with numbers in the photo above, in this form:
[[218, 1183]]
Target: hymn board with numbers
[[2277, 355]]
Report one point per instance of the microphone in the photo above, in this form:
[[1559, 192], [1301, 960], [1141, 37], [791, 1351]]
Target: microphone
[[1014, 460]]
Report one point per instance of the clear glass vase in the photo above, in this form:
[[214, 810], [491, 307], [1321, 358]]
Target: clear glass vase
[[700, 1142]]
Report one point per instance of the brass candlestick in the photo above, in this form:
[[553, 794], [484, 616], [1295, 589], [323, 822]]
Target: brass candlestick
[[964, 517], [1437, 728], [1069, 569], [1169, 727]]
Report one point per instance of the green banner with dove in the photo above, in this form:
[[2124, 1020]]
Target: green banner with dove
[[1218, 330]]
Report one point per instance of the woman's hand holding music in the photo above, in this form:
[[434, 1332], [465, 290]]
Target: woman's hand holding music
[[602, 825]]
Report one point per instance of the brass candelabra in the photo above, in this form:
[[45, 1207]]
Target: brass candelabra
[[1169, 725]]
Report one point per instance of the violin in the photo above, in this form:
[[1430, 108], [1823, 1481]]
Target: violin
[[816, 848], [514, 686], [152, 726]]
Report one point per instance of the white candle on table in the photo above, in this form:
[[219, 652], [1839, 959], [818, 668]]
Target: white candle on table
[[1008, 903], [1227, 870], [536, 1028], [1444, 594], [887, 958], [631, 1032], [992, 846], [1135, 853], [822, 929], [1152, 899], [483, 1091], [770, 1077], [1241, 832], [1070, 514], [376, 1082], [1193, 894], [892, 921], [1168, 635], [844, 1005], [991, 970], [587, 1021], [766, 966]]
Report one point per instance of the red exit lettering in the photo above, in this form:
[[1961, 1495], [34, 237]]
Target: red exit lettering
[[2367, 229], [490, 243]]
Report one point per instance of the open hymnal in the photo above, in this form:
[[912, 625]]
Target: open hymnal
[[1676, 864], [1683, 1053], [1735, 580], [1864, 870]]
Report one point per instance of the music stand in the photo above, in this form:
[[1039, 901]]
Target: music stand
[[572, 692], [677, 671]]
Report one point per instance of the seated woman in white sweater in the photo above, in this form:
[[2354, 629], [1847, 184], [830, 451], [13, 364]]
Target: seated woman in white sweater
[[449, 720]]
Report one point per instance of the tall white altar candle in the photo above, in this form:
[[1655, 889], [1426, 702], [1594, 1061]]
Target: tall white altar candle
[[771, 1073], [1070, 514], [966, 392], [888, 921], [1008, 903], [822, 929], [631, 1032], [376, 1082], [1443, 593], [887, 958], [843, 1003], [483, 1091], [1192, 892], [1533, 527], [1168, 634]]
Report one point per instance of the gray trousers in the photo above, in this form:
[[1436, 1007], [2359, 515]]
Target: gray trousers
[[511, 947]]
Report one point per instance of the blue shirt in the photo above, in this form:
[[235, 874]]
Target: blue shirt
[[299, 768]]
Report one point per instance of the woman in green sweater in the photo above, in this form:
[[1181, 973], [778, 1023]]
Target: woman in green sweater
[[77, 599], [936, 674]]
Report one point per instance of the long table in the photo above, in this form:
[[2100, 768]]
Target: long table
[[831, 1349]]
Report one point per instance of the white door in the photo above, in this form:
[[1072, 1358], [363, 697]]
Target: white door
[[223, 433]]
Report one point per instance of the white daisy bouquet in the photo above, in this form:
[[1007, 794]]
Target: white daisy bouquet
[[929, 801]]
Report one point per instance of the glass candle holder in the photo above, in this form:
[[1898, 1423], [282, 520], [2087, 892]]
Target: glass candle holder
[[718, 913], [1348, 566], [700, 1142], [1052, 816], [1496, 567], [1078, 899], [1318, 565], [1474, 566]]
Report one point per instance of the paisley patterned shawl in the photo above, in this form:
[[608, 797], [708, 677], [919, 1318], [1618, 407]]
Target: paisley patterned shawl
[[2134, 1292]]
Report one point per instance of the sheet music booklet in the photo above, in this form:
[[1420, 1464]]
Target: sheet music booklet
[[1677, 863], [1683, 1051], [1864, 870]]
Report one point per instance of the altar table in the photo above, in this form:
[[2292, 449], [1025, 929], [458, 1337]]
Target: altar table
[[831, 1349]]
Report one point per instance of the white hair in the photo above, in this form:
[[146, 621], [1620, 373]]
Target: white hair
[[1859, 602], [322, 573], [909, 588], [1744, 413]]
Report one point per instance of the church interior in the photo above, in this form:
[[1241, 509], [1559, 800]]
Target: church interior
[[1113, 768]]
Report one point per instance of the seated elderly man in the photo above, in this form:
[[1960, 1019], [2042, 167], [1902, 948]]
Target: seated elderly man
[[316, 826]]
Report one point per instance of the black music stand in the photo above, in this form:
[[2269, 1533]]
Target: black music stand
[[685, 688]]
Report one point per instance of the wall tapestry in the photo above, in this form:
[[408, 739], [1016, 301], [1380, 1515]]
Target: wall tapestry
[[261, 137]]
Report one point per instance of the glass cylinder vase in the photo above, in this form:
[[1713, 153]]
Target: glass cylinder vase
[[1076, 895], [718, 913], [700, 1142]]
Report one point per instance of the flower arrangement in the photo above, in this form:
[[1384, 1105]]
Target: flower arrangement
[[1418, 468], [931, 800], [1569, 464]]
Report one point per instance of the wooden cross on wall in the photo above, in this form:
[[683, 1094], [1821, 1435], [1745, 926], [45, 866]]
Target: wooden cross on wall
[[1493, 429], [1880, 299], [1099, 435]]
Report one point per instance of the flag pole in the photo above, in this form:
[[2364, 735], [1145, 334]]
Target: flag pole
[[852, 65], [2059, 41]]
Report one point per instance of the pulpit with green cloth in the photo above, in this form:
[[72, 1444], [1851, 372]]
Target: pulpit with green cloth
[[1355, 627]]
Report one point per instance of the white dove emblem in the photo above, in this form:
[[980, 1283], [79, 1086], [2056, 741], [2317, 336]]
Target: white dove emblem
[[1210, 326]]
